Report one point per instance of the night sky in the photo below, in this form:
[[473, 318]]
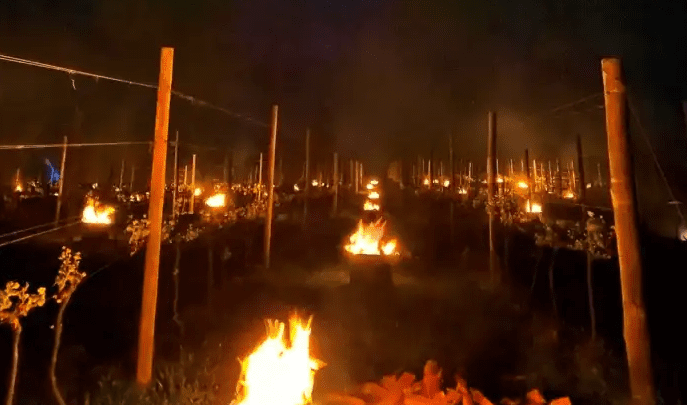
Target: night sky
[[373, 79]]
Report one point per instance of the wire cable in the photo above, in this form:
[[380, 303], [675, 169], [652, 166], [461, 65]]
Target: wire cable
[[38, 234], [673, 200], [72, 72], [71, 145], [566, 105], [3, 236]]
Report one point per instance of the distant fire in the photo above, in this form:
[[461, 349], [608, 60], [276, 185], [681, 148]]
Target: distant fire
[[198, 191], [96, 213], [315, 183], [218, 200], [278, 374], [523, 185], [447, 183], [370, 186], [369, 240], [374, 195], [18, 188], [462, 191], [569, 195], [425, 182], [374, 182], [370, 206], [533, 208]]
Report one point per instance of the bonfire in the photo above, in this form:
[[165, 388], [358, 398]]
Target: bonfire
[[97, 213], [218, 200], [277, 373], [371, 206], [370, 239]]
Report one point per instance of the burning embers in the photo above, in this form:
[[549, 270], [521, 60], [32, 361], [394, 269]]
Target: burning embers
[[96, 213], [371, 206], [370, 239], [218, 200], [278, 374]]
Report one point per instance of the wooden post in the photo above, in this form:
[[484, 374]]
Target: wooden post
[[306, 191], [599, 176], [635, 329], [336, 184], [582, 189], [61, 187], [351, 179], [225, 172], [193, 185], [175, 177], [357, 176], [260, 171], [133, 176], [491, 188], [559, 181], [452, 188], [270, 187], [121, 176], [211, 276], [185, 175], [146, 337], [529, 179]]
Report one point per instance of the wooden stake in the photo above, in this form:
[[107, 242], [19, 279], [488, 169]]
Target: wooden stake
[[133, 176], [146, 337], [635, 328], [61, 187], [175, 178], [270, 187], [526, 164], [582, 189], [306, 191], [121, 176], [491, 188], [452, 188], [336, 184], [193, 186]]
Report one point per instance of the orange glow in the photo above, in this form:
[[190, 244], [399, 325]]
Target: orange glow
[[523, 185], [534, 209], [374, 182], [373, 195], [370, 206], [370, 186], [447, 183], [198, 191], [425, 182], [569, 194], [18, 188], [96, 213], [276, 373], [218, 200], [368, 240]]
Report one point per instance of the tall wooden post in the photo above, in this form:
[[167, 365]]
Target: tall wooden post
[[582, 189], [306, 191], [61, 187], [193, 185], [175, 177], [357, 176], [260, 171], [351, 177], [225, 169], [336, 184], [121, 176], [491, 189], [635, 329], [270, 186], [529, 179], [185, 175], [146, 336], [558, 184], [133, 176], [452, 188]]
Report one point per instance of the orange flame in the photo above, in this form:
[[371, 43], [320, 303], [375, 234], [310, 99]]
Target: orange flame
[[277, 374], [96, 213], [370, 206], [368, 240], [374, 195], [218, 200]]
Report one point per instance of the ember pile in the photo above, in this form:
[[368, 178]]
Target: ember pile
[[405, 390]]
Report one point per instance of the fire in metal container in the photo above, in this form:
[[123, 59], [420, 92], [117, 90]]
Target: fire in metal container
[[97, 213]]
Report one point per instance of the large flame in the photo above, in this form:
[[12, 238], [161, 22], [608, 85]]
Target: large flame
[[218, 200], [370, 206], [96, 213], [533, 208], [276, 374], [374, 195], [523, 185], [368, 240]]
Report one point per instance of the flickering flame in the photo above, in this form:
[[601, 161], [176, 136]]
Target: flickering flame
[[462, 191], [367, 240], [315, 183], [370, 186], [18, 188], [534, 208], [96, 213], [425, 182], [296, 188], [523, 185], [435, 181], [499, 180], [218, 200], [370, 206], [198, 191], [276, 373], [374, 182], [447, 183], [373, 195], [569, 194]]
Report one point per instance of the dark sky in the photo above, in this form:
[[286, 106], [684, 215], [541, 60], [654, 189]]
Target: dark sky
[[376, 79]]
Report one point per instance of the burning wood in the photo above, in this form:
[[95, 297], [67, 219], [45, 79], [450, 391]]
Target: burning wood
[[370, 240], [218, 200], [405, 390], [370, 206], [97, 213], [277, 374]]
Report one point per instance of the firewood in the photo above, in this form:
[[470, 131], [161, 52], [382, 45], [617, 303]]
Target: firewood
[[561, 401], [343, 399], [479, 398], [431, 379], [534, 397]]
